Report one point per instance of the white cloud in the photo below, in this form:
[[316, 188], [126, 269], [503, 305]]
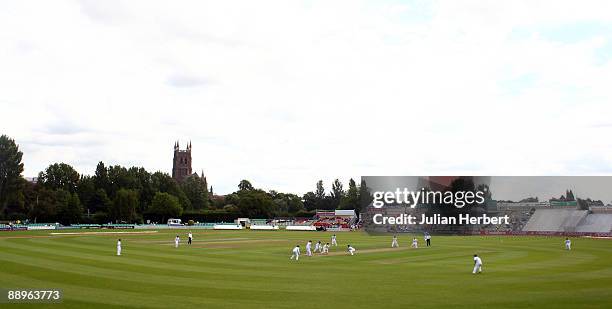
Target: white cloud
[[285, 93]]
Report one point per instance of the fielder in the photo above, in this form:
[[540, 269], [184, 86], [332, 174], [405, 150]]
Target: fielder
[[325, 249], [427, 239], [415, 243], [394, 243], [334, 242], [176, 241], [189, 238], [318, 247], [309, 248], [119, 246], [568, 244], [477, 264], [295, 253], [351, 250]]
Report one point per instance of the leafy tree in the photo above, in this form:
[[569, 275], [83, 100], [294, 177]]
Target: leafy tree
[[351, 199], [294, 203], [322, 200], [14, 208], [230, 208], [310, 201], [11, 167], [42, 205], [320, 192], [142, 181], [162, 182], [99, 202], [166, 206], [337, 189], [254, 204], [69, 208], [328, 203], [245, 185], [337, 193], [59, 176], [365, 197], [86, 188], [125, 205], [119, 178], [196, 191], [286, 204], [100, 178], [30, 194], [100, 218]]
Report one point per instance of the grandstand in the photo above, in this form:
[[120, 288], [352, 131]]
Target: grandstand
[[339, 219], [554, 220], [261, 222], [569, 221], [596, 223], [301, 221]]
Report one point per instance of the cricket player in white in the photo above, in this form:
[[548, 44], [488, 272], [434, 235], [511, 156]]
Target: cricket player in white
[[394, 243], [325, 249], [119, 246], [189, 238], [415, 243], [309, 248], [334, 243], [351, 250], [477, 264], [568, 244], [295, 253], [318, 246], [176, 241]]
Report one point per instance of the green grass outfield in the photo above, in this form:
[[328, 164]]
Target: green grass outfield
[[251, 269]]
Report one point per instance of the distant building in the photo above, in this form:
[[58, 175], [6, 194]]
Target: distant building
[[181, 164], [507, 205], [558, 203], [601, 209]]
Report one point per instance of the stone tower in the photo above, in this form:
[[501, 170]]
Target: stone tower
[[181, 164]]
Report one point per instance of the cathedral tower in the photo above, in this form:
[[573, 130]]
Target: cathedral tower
[[181, 164]]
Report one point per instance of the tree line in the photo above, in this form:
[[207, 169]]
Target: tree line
[[133, 195]]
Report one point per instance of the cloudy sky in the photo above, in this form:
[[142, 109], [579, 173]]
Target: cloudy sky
[[284, 93]]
